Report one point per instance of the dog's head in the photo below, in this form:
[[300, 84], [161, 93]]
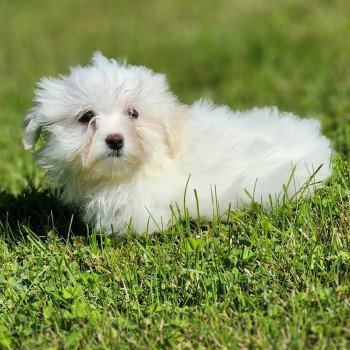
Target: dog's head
[[107, 119]]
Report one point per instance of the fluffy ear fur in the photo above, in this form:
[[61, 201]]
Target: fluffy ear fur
[[33, 124], [175, 114], [175, 131]]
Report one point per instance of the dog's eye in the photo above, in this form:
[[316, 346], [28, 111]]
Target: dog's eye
[[133, 113], [87, 116]]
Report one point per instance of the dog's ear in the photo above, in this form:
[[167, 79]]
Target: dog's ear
[[33, 124], [175, 131], [172, 111]]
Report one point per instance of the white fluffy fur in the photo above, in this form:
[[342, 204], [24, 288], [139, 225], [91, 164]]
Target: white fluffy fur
[[212, 148]]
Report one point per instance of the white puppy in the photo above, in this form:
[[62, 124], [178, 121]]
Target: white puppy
[[120, 145]]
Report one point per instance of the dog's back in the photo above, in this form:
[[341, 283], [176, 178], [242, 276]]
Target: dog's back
[[259, 151]]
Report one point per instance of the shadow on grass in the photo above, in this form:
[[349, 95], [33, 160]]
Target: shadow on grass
[[38, 211]]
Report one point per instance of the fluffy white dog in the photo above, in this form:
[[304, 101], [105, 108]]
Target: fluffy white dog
[[120, 145]]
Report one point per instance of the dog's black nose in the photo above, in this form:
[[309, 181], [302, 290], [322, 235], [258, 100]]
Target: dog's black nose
[[115, 141]]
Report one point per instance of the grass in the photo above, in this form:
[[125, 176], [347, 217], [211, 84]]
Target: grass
[[277, 279]]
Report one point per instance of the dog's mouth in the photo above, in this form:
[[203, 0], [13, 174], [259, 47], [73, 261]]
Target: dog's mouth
[[115, 154]]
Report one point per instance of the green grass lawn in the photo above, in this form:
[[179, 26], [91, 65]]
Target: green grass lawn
[[277, 279]]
